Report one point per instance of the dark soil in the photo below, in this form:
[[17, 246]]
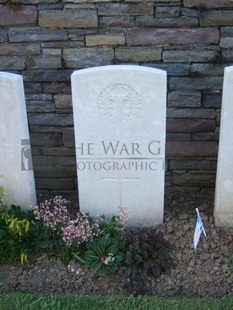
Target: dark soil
[[202, 273]]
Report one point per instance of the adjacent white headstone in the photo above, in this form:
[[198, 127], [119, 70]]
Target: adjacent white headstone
[[223, 211], [16, 174], [119, 118]]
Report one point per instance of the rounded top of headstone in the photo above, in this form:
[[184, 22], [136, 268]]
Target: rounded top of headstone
[[10, 76], [120, 68]]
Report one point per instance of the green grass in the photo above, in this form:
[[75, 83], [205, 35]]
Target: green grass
[[19, 301]]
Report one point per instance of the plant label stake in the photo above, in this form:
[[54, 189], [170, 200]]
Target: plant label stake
[[198, 230]]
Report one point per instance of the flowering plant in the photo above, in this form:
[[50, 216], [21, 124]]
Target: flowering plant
[[69, 234], [103, 254]]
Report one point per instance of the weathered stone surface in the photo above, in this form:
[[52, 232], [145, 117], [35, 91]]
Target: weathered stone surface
[[87, 57], [12, 49], [190, 164], [190, 55], [211, 4], [189, 83], [184, 99], [50, 119], [137, 54], [54, 161], [24, 34], [216, 18], [116, 21], [118, 9], [226, 31], [39, 97], [212, 101], [63, 101], [55, 171], [3, 35], [166, 22], [55, 88], [172, 69], [172, 36], [51, 51], [43, 62], [54, 183], [40, 106], [227, 55], [226, 42], [32, 88], [191, 149], [47, 75], [200, 179], [45, 139], [88, 1], [189, 12], [190, 113], [62, 44], [17, 15], [76, 34], [78, 6], [190, 125], [12, 63], [207, 69], [68, 137], [46, 129], [98, 40], [167, 11], [68, 19], [205, 136], [59, 151], [178, 137], [155, 1], [34, 1]]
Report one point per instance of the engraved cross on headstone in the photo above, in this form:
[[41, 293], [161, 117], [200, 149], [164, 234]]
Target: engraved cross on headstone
[[120, 181]]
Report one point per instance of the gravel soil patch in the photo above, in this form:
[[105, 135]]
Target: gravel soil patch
[[203, 273]]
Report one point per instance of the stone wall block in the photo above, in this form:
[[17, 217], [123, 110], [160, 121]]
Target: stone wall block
[[98, 40], [17, 49], [44, 62], [193, 83], [63, 101], [116, 22], [184, 99], [12, 63], [50, 119], [172, 36], [182, 149], [201, 179], [88, 57], [138, 54], [54, 183], [68, 137], [68, 18], [216, 18], [183, 21], [208, 4], [32, 34], [121, 9], [190, 125], [12, 15]]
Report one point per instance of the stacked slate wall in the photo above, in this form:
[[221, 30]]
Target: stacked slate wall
[[46, 40]]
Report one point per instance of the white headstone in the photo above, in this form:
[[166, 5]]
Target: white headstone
[[223, 210], [119, 118], [16, 174]]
